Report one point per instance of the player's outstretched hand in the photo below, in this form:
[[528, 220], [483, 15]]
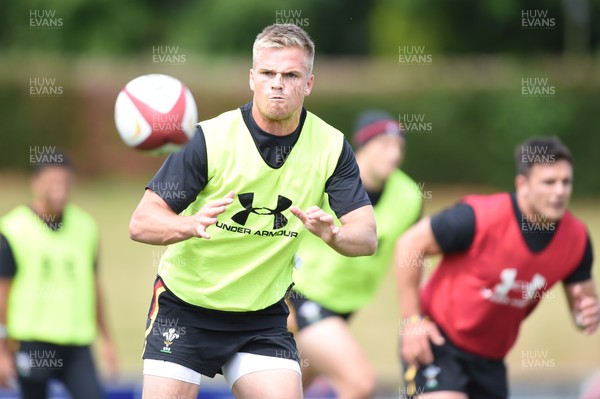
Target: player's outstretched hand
[[416, 336], [585, 310], [7, 369], [207, 215], [318, 222]]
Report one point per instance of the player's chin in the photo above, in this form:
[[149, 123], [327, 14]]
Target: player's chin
[[278, 113], [57, 205], [554, 214]]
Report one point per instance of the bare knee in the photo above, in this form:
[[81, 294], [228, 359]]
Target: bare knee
[[360, 385], [156, 387], [269, 384]]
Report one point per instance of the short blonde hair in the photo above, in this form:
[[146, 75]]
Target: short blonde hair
[[282, 36]]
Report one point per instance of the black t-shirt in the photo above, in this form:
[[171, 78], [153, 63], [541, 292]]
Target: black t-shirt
[[8, 267], [375, 196], [454, 231], [185, 172]]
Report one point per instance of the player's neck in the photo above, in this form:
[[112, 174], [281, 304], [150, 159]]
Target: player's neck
[[283, 127], [528, 213], [370, 182], [522, 204]]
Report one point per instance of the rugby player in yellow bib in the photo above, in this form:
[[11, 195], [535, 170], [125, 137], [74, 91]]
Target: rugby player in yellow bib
[[50, 296], [249, 185], [330, 287]]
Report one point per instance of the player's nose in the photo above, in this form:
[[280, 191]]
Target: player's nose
[[277, 82]]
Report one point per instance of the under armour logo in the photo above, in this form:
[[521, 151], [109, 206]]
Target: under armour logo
[[528, 290], [246, 201]]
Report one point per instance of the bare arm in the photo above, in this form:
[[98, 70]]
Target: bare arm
[[100, 316], [583, 303], [4, 291], [411, 248], [154, 222], [108, 350], [7, 370], [356, 237]]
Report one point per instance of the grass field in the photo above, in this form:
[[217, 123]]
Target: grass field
[[128, 269]]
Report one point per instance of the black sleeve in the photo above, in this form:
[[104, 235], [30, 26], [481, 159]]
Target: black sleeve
[[454, 228], [8, 267], [183, 174], [584, 270], [344, 187]]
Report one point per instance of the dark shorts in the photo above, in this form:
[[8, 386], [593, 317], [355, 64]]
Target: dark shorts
[[308, 312], [453, 369], [205, 339], [37, 363]]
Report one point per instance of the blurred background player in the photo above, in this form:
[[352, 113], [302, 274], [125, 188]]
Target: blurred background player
[[253, 178], [50, 299], [501, 254], [330, 287]]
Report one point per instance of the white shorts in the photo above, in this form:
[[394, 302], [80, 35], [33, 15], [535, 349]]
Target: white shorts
[[238, 366]]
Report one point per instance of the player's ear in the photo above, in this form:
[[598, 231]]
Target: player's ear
[[251, 79], [520, 182], [309, 85]]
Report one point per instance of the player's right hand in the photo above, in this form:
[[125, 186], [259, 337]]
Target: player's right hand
[[7, 369], [416, 337], [207, 215], [586, 310]]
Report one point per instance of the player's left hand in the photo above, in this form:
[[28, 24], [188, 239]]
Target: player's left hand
[[586, 310], [318, 222]]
